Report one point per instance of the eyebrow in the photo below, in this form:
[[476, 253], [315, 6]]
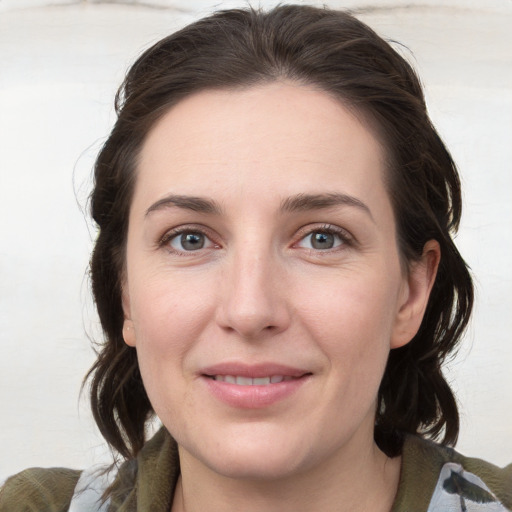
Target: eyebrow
[[306, 202], [196, 204], [296, 203]]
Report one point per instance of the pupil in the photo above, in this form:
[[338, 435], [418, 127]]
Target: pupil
[[322, 241], [192, 241]]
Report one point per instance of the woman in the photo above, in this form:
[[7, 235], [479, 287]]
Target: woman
[[276, 280]]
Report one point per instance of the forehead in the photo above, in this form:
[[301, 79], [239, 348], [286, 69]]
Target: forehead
[[278, 138]]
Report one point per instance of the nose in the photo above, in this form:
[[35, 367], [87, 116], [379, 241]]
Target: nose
[[253, 300]]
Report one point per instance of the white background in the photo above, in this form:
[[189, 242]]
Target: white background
[[60, 65]]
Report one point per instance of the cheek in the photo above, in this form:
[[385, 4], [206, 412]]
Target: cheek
[[167, 326], [352, 307], [168, 320], [352, 321]]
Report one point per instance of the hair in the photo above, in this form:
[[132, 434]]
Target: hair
[[337, 53]]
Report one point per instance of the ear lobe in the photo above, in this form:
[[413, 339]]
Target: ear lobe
[[128, 329], [420, 281], [128, 332]]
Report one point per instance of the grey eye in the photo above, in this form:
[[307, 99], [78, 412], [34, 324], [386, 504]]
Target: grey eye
[[190, 241], [322, 240]]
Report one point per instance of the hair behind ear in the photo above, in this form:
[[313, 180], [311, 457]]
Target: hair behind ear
[[414, 396]]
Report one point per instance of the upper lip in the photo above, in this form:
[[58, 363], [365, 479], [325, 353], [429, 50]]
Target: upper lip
[[253, 370]]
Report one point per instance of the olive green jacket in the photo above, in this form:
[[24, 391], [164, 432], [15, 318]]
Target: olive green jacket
[[433, 479]]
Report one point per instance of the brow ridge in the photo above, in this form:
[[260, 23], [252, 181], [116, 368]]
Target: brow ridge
[[295, 203], [196, 204], [305, 202]]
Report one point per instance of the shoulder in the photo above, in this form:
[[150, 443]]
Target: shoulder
[[58, 489], [39, 489], [435, 477], [146, 482], [497, 480]]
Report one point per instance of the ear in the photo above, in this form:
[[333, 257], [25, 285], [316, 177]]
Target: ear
[[128, 328], [415, 295]]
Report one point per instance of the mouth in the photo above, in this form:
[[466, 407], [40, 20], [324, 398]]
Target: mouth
[[244, 386], [240, 380]]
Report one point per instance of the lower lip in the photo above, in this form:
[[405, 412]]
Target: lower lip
[[253, 397]]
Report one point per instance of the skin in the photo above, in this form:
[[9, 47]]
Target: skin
[[260, 290]]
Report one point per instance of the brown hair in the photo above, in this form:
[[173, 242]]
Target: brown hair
[[342, 56]]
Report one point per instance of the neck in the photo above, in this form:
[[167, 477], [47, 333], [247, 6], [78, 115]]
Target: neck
[[366, 481]]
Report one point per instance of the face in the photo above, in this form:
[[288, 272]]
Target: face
[[263, 286]]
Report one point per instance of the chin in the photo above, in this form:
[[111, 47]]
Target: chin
[[255, 453], [259, 466]]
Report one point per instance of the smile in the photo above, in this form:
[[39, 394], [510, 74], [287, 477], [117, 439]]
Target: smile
[[248, 381], [243, 386]]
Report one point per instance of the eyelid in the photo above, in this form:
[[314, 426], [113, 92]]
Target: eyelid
[[165, 239], [346, 237], [342, 233]]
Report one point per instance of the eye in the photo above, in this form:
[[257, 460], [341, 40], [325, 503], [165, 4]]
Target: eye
[[323, 239], [188, 241]]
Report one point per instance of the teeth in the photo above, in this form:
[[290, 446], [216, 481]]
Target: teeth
[[263, 381], [248, 381]]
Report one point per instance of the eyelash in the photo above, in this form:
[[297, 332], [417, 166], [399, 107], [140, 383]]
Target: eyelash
[[328, 229], [166, 239], [345, 238]]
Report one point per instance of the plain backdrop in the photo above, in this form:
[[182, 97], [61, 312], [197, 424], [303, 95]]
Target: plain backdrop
[[60, 65]]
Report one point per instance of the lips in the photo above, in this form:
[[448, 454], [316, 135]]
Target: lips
[[248, 381], [253, 371], [253, 386]]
